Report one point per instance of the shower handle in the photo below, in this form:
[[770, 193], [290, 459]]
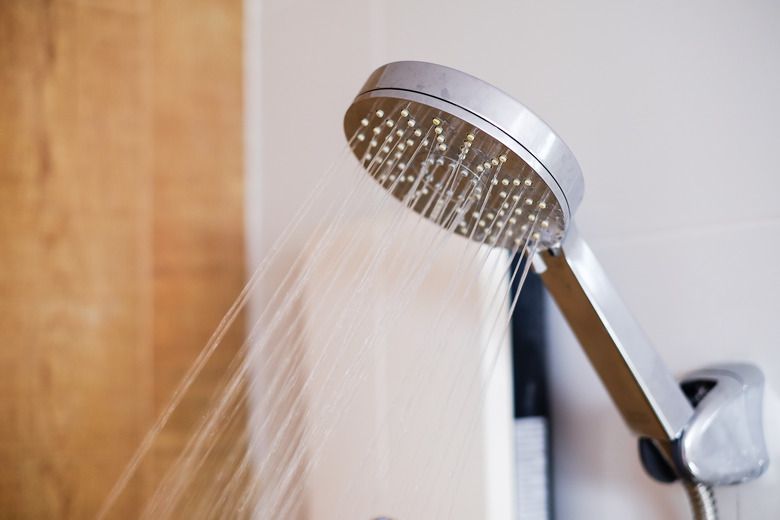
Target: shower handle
[[647, 395], [721, 440]]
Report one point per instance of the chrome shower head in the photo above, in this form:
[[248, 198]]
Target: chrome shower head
[[469, 157], [437, 138]]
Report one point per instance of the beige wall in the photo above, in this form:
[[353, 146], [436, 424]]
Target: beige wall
[[671, 109], [121, 226]]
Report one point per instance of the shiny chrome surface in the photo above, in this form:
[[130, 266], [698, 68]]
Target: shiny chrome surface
[[642, 388], [723, 442], [504, 142]]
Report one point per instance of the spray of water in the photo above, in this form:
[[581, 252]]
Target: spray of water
[[372, 280]]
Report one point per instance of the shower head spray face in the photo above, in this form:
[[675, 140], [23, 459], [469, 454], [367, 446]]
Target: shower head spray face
[[464, 154]]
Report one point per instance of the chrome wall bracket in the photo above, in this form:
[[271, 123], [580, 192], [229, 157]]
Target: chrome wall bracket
[[723, 442]]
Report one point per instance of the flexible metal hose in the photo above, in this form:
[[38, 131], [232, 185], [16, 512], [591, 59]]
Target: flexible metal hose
[[702, 501]]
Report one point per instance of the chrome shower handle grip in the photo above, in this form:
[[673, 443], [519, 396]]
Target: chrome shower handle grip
[[642, 388]]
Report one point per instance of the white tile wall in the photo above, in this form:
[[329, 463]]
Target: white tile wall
[[672, 110]]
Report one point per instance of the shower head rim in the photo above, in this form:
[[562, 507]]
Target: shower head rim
[[536, 166], [493, 106], [495, 132]]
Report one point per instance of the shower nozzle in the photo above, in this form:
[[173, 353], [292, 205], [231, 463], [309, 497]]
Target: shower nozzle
[[424, 130], [472, 159]]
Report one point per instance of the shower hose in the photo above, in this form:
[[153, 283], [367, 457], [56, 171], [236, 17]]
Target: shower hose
[[702, 501]]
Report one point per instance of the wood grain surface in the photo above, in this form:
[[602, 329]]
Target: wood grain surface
[[121, 233]]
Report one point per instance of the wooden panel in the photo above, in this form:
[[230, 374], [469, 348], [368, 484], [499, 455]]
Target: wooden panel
[[75, 222], [120, 231], [198, 209], [198, 183]]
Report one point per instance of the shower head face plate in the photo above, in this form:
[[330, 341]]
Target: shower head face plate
[[449, 156]]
